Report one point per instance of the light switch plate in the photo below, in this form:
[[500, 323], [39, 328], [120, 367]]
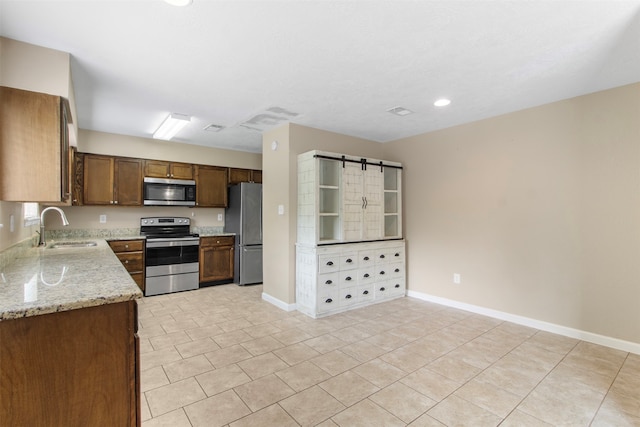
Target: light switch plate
[[280, 209], [219, 217], [103, 219]]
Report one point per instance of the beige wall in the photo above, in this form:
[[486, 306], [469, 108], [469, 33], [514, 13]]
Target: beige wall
[[281, 188], [29, 67], [539, 211]]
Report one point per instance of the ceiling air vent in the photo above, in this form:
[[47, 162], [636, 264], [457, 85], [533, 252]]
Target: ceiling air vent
[[213, 128], [400, 111]]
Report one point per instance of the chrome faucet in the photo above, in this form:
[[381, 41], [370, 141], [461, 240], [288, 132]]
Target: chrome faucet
[[41, 241]]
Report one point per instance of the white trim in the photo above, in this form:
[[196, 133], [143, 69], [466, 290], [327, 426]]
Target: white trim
[[280, 304], [616, 343]]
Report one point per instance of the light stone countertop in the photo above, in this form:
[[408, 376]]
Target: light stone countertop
[[45, 280]]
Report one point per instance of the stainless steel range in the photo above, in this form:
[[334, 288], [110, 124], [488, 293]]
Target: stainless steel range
[[171, 255]]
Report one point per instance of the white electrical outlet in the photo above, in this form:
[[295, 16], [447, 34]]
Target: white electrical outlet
[[219, 217], [280, 209], [456, 278], [103, 219], [12, 224]]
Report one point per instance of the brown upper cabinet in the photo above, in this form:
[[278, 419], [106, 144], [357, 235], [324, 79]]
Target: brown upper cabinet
[[160, 169], [211, 186], [112, 181], [237, 175], [34, 147]]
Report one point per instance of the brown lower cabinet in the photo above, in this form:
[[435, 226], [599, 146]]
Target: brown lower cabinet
[[131, 255], [71, 368], [216, 258]]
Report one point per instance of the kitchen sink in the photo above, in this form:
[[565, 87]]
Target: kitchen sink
[[77, 244]]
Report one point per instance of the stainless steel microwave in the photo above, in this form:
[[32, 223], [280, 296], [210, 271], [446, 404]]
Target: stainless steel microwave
[[169, 192]]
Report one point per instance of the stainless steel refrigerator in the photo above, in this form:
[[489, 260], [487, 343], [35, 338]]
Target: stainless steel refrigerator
[[244, 217]]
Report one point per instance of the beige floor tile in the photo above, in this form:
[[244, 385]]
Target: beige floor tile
[[351, 334], [489, 397], [432, 385], [408, 332], [379, 372], [363, 351], [158, 358], [454, 411], [366, 414], [169, 340], [453, 368], [153, 330], [426, 420], [173, 396], [335, 362], [204, 332], [153, 378], [627, 382], [262, 345], [262, 365], [349, 388], [231, 338], [302, 376], [186, 368], [402, 401], [481, 352], [327, 423], [559, 402], [596, 380], [195, 348], [517, 380], [227, 356], [407, 360], [263, 392], [387, 341], [530, 353], [145, 412], [222, 379], [622, 402], [292, 336], [175, 418], [178, 325], [553, 342], [618, 411], [311, 406], [296, 353], [271, 416], [218, 410], [262, 330], [521, 419], [325, 343]]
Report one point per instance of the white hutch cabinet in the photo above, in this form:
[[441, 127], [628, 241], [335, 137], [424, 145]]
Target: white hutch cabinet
[[350, 250]]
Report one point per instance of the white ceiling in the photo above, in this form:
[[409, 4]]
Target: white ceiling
[[340, 65]]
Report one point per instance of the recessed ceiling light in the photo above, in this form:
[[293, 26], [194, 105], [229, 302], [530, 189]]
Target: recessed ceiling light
[[399, 111], [442, 102], [179, 3], [213, 128]]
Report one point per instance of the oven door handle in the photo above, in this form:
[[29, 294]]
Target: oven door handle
[[166, 242]]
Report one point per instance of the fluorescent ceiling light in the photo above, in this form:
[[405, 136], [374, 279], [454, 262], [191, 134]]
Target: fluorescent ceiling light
[[399, 111], [179, 3], [442, 102], [171, 126]]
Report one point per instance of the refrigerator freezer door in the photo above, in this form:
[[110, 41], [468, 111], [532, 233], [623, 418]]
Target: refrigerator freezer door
[[251, 214], [250, 265]]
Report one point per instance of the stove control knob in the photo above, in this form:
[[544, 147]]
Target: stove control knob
[[150, 221], [144, 221]]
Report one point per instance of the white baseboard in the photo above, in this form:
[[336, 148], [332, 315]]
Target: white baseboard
[[280, 304], [533, 323]]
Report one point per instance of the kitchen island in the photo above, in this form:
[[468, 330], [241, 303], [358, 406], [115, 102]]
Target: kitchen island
[[68, 343]]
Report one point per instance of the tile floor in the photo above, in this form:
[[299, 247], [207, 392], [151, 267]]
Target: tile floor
[[220, 356]]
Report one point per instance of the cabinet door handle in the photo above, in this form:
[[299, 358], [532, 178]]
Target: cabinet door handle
[[362, 202], [329, 301], [330, 263], [366, 203], [328, 282]]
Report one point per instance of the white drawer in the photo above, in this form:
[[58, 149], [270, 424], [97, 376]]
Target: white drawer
[[329, 281], [348, 278], [348, 261], [366, 276], [327, 301], [396, 269], [328, 263], [348, 296], [366, 292], [366, 258], [395, 288], [390, 255]]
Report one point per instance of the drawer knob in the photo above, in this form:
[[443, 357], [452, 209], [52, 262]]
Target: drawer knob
[[365, 293], [348, 296], [329, 301], [382, 256], [366, 275], [126, 261], [328, 282], [126, 246], [349, 260], [397, 254], [366, 258], [330, 263], [397, 270], [348, 278], [382, 289], [397, 286], [382, 272]]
